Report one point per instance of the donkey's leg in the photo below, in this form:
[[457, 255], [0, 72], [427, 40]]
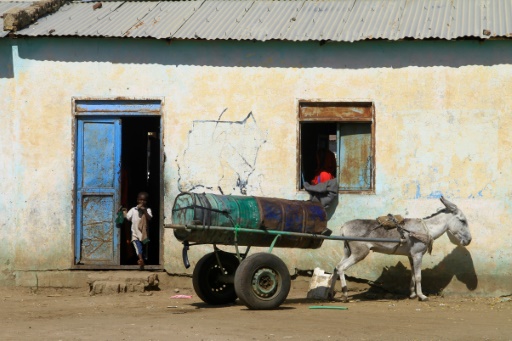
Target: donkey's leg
[[334, 278], [412, 286], [358, 252], [417, 258]]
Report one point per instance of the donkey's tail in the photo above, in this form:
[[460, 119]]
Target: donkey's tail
[[346, 249]]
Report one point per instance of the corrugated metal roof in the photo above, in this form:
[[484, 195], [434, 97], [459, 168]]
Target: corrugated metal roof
[[267, 20], [164, 21], [295, 20], [214, 20], [4, 7]]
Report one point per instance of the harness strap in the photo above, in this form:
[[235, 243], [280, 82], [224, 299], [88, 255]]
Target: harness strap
[[425, 238], [390, 222]]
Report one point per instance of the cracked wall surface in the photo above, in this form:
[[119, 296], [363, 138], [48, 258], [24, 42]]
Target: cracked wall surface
[[442, 115], [220, 156]]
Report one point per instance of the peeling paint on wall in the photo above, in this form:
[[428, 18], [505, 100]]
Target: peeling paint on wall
[[443, 125], [220, 155]]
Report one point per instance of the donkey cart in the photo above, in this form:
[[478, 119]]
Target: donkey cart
[[261, 280]]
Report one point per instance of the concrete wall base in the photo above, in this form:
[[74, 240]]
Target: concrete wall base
[[100, 282]]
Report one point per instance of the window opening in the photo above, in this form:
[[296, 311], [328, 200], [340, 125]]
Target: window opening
[[347, 131]]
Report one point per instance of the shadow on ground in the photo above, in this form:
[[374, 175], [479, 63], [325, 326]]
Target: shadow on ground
[[395, 279]]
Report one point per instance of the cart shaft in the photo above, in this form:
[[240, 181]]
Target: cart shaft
[[277, 233]]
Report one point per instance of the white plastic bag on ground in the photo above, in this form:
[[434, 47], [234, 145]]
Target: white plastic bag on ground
[[319, 285]]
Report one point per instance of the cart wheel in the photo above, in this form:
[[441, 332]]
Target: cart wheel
[[262, 281], [211, 282]]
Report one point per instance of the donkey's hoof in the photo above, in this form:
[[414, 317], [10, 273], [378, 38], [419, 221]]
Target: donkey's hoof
[[423, 299], [413, 296]]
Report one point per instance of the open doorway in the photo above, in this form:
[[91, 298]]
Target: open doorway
[[118, 154], [140, 172]]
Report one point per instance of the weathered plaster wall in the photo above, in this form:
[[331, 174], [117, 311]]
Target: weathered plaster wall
[[220, 155], [442, 127], [8, 187]]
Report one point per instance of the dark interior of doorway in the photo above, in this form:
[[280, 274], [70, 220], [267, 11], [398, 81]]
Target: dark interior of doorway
[[140, 172], [313, 137]]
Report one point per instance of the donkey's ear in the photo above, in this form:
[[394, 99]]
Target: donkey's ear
[[450, 206]]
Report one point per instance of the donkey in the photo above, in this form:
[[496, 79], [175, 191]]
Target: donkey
[[417, 236]]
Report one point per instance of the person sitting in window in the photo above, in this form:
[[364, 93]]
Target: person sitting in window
[[326, 166], [324, 186]]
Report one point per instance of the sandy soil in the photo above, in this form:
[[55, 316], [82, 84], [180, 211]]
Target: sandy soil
[[65, 314]]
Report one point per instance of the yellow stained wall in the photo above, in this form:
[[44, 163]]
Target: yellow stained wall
[[442, 114]]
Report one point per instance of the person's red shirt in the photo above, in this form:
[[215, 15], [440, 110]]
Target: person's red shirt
[[322, 177]]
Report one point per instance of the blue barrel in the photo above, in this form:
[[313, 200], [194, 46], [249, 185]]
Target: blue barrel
[[251, 213]]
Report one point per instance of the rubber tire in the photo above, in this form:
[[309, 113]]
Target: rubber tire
[[205, 278], [254, 266]]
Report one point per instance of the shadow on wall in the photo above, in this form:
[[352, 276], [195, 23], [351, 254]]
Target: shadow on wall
[[458, 263], [6, 70], [273, 54]]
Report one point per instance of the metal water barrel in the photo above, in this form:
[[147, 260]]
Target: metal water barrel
[[251, 213]]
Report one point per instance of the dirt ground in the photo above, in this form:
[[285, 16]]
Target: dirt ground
[[72, 314]]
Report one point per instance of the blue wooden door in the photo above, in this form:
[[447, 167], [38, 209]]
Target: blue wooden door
[[98, 168]]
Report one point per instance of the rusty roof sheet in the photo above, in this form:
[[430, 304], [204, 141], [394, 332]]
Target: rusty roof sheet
[[295, 20]]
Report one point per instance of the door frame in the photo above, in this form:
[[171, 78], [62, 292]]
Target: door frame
[[98, 107]]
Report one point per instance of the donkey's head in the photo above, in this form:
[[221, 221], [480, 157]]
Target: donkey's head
[[457, 224]]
